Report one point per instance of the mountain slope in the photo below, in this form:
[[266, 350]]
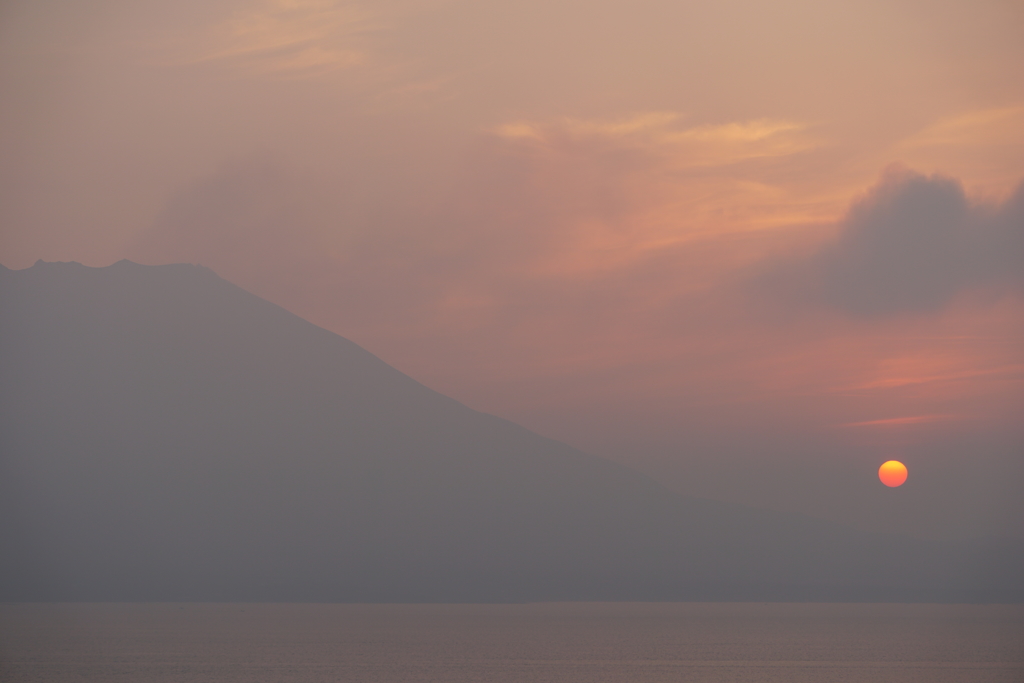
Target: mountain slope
[[167, 436]]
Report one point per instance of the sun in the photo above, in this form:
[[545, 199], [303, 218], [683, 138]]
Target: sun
[[892, 473]]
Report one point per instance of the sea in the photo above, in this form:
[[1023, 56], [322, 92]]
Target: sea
[[521, 643]]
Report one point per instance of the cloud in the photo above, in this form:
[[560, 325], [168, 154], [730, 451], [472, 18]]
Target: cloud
[[658, 133], [982, 146], [911, 245], [293, 37], [1000, 125], [902, 421], [898, 380]]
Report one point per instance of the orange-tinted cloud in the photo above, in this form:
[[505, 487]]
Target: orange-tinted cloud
[[291, 38], [901, 421]]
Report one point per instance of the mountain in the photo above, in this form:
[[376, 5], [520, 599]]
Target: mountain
[[166, 435]]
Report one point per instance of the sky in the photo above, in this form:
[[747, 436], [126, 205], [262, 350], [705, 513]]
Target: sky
[[753, 249]]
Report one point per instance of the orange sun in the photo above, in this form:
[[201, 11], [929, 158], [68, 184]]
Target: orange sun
[[892, 473]]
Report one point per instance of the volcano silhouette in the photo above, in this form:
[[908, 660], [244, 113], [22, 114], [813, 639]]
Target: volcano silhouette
[[168, 436]]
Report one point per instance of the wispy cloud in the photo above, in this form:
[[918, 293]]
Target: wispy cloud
[[894, 382], [659, 132], [748, 131], [903, 421], [995, 125], [293, 37]]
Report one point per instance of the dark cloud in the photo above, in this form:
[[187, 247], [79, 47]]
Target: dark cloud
[[910, 245]]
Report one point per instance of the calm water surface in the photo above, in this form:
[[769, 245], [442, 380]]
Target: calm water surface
[[563, 642]]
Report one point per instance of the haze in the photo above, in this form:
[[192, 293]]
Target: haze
[[754, 250]]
